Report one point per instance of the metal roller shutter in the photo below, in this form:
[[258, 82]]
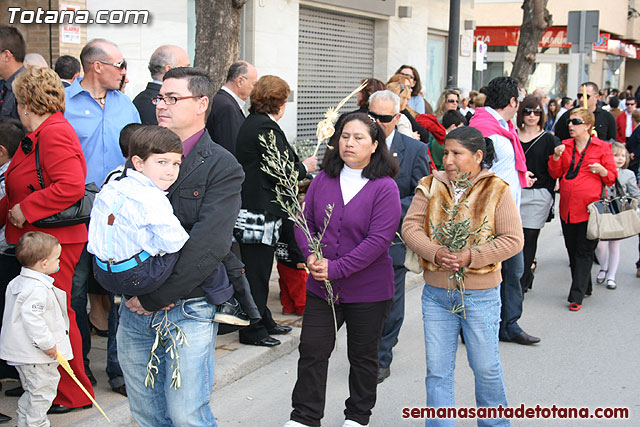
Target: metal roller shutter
[[335, 52]]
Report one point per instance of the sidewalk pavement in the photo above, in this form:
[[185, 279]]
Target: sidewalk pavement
[[233, 361]]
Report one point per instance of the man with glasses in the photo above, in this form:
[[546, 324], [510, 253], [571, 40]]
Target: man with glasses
[[605, 124], [494, 121], [162, 60], [227, 111], [12, 51], [412, 157], [206, 200], [624, 121], [98, 111]]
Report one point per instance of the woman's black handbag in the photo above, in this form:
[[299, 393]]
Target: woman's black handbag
[[78, 213]]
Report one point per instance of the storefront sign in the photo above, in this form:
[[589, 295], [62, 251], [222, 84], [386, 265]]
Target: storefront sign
[[69, 33], [509, 36]]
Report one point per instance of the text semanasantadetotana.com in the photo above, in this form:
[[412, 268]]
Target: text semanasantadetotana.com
[[519, 412]]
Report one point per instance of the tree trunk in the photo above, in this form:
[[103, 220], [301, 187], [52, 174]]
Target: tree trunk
[[217, 36], [535, 21]]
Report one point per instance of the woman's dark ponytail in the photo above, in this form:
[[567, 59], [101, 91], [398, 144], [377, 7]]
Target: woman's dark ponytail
[[489, 153]]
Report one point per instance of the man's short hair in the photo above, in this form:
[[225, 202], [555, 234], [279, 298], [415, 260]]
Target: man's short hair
[[11, 133], [566, 102], [35, 246], [499, 92], [614, 102], [237, 69], [125, 137], [161, 58], [11, 39], [199, 82], [453, 117], [92, 52], [386, 95], [67, 66], [592, 85]]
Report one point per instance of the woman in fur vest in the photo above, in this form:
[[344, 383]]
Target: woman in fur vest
[[488, 204]]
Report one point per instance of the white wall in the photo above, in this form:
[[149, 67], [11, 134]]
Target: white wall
[[137, 42]]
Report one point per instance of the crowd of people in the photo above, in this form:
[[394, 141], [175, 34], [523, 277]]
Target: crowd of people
[[184, 232]]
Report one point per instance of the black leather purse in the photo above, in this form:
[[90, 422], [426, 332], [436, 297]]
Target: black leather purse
[[78, 213]]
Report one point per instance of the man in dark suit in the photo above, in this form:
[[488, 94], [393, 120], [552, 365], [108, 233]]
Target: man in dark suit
[[162, 60], [12, 51], [67, 68], [227, 111], [605, 124], [206, 200], [412, 158]]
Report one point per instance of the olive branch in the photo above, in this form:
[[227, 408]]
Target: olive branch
[[165, 339], [457, 234], [278, 165]]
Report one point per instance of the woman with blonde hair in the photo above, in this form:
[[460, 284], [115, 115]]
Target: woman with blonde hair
[[407, 125], [449, 100], [584, 163], [53, 143]]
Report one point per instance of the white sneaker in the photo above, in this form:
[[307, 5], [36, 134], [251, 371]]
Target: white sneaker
[[351, 423], [292, 423]]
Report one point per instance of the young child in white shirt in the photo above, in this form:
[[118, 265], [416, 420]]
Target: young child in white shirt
[[35, 326], [133, 232]]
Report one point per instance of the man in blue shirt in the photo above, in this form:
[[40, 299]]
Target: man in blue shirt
[[98, 111]]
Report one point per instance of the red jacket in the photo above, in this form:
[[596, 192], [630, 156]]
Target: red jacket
[[64, 171], [577, 193], [621, 127]]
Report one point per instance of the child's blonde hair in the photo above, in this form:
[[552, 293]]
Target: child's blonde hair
[[35, 246], [618, 146]]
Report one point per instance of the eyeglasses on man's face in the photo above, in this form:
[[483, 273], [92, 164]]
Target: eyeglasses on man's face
[[121, 65], [581, 94], [171, 100], [383, 118]]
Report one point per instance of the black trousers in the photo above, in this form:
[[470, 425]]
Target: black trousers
[[258, 263], [364, 329], [529, 253], [581, 252]]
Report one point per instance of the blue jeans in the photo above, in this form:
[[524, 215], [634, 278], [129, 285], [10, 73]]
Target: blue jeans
[[114, 372], [511, 296], [163, 405], [480, 329]]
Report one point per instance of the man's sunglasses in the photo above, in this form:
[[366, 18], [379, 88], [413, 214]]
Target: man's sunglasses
[[581, 94], [383, 118], [576, 122], [121, 65], [536, 111]]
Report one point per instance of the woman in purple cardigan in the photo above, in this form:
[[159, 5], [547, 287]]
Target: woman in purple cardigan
[[357, 179]]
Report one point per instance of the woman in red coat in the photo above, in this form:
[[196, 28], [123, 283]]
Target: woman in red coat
[[40, 97], [584, 163]]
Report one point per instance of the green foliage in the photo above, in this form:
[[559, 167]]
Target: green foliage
[[165, 339], [279, 166], [457, 234]]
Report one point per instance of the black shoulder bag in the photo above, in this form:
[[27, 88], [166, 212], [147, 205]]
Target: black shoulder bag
[[78, 213]]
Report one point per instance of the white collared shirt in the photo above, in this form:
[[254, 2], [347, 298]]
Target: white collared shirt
[[504, 165], [629, 129], [389, 140], [144, 222], [240, 102]]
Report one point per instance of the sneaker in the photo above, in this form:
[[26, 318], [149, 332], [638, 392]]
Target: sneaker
[[611, 284], [231, 313], [574, 307], [292, 423], [351, 423]]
